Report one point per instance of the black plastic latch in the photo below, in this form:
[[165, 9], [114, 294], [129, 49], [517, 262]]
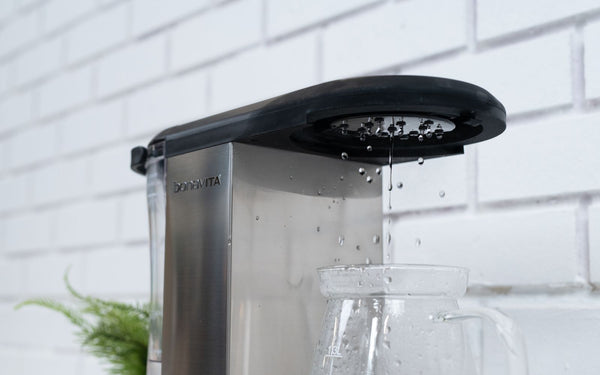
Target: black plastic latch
[[139, 155]]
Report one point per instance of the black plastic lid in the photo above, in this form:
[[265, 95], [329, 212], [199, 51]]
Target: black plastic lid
[[302, 120]]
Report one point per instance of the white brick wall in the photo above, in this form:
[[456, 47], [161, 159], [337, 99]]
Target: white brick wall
[[82, 81]]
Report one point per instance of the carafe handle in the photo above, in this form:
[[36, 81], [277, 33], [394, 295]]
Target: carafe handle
[[508, 331]]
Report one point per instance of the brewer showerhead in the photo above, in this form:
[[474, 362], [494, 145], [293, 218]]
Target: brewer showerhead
[[369, 119]]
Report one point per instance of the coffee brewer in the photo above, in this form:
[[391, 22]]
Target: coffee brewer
[[245, 205]]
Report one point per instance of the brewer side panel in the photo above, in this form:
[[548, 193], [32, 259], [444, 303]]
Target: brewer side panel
[[292, 213], [197, 261]]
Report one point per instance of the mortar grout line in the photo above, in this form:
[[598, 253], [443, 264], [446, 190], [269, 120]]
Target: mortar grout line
[[471, 25], [577, 68], [535, 31], [582, 242], [472, 178], [530, 203]]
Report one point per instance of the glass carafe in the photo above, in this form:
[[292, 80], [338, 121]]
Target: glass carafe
[[402, 319]]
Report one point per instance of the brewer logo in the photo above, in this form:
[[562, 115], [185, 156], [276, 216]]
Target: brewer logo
[[199, 183]]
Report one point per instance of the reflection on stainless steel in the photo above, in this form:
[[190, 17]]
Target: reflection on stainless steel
[[195, 312], [241, 290]]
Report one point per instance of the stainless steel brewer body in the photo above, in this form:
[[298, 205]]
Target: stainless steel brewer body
[[246, 205], [241, 291]]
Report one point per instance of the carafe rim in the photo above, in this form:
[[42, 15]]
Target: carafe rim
[[393, 281]]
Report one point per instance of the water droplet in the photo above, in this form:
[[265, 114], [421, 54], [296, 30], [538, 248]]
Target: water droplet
[[369, 179], [368, 260], [417, 242], [228, 242], [318, 229], [344, 156], [389, 238], [361, 171], [357, 247], [291, 177], [378, 170], [257, 218], [388, 280], [398, 363], [341, 178], [387, 330], [420, 160], [360, 283], [399, 185], [375, 239], [420, 137], [386, 343], [442, 194], [369, 148], [341, 240]]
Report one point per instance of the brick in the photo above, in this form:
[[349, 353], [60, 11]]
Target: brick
[[286, 16], [594, 233], [3, 155], [193, 42], [6, 9], [258, 74], [133, 65], [52, 363], [5, 77], [16, 191], [592, 60], [134, 215], [45, 274], [31, 146], [23, 4], [519, 248], [30, 231], [66, 91], [40, 61], [97, 34], [439, 182], [149, 15], [533, 74], [19, 32], [495, 18], [61, 181], [60, 13], [559, 340], [390, 35], [15, 110], [129, 270], [168, 103], [12, 361], [110, 170], [91, 127], [529, 160], [94, 366], [11, 277], [87, 224], [36, 327]]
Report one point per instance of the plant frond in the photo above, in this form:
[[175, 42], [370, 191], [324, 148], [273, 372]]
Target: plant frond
[[113, 331]]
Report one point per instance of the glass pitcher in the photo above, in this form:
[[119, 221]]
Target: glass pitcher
[[402, 319]]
